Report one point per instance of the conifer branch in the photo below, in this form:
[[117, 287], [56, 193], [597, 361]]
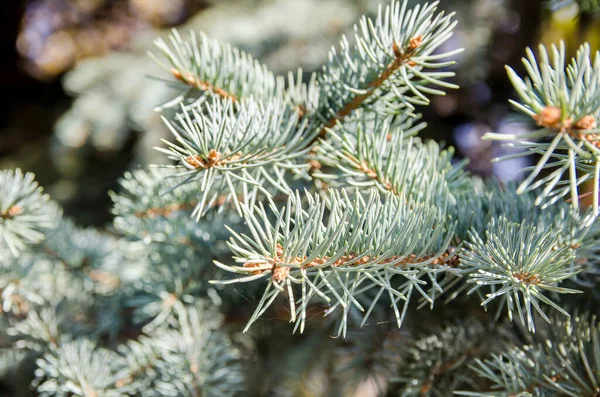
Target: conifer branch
[[563, 363], [217, 69], [25, 213], [401, 57], [385, 68], [435, 362], [376, 154], [518, 263], [127, 313], [237, 147], [360, 245], [564, 102]]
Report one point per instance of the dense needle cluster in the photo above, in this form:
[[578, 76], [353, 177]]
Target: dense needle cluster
[[318, 202]]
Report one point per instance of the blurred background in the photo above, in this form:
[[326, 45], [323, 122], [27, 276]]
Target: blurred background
[[80, 89]]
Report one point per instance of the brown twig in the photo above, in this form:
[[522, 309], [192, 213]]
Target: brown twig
[[402, 57], [279, 270], [192, 81], [372, 173]]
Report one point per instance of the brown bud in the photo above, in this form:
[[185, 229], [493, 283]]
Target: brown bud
[[586, 123], [11, 212], [280, 273], [213, 154], [314, 165], [213, 158], [548, 117], [415, 43], [195, 161], [169, 301]]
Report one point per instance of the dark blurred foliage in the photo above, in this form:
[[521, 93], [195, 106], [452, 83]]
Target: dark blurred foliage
[[55, 34], [42, 39]]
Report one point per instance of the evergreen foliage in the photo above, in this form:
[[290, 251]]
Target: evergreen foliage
[[289, 199]]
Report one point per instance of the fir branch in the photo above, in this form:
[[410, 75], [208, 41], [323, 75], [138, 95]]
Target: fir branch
[[224, 145], [25, 213], [436, 362], [564, 363], [219, 69], [518, 263], [78, 368], [378, 155], [360, 245], [385, 67], [564, 101]]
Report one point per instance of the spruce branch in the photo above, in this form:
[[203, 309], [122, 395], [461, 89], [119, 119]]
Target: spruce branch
[[45, 326], [155, 206], [112, 316], [146, 195], [376, 154], [483, 200], [69, 265], [140, 373], [372, 353], [214, 70], [191, 357], [336, 249], [86, 257], [518, 263], [565, 362], [564, 101], [225, 145], [389, 65], [437, 362], [25, 212], [169, 288], [513, 373], [217, 69], [203, 360], [35, 282], [20, 285], [10, 360], [78, 368]]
